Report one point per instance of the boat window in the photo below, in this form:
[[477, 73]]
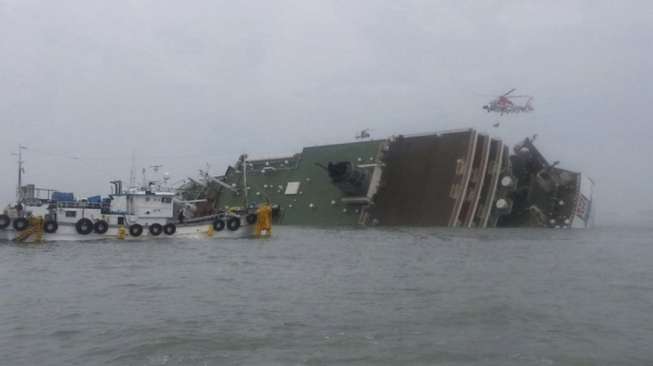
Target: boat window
[[292, 188], [71, 213]]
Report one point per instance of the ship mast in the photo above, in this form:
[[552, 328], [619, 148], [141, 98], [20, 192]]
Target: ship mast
[[21, 170], [244, 161]]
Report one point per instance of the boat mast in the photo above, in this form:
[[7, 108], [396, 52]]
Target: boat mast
[[19, 191], [244, 163]]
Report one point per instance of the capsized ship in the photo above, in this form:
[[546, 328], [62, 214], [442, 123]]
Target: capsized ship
[[459, 178]]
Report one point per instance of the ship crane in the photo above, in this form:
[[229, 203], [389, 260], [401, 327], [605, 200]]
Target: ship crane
[[209, 179], [222, 184]]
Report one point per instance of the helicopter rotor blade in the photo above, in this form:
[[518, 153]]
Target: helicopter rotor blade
[[509, 91], [485, 95]]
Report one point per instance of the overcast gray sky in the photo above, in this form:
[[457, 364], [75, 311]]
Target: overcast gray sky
[[184, 83]]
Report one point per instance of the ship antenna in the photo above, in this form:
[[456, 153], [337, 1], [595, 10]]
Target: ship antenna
[[144, 178], [132, 172]]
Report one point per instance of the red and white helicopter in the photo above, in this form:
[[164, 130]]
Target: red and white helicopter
[[504, 105]]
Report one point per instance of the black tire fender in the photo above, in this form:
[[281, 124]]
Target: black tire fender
[[233, 223], [101, 227], [155, 229], [84, 226], [218, 224], [20, 224], [50, 226], [170, 229], [136, 230]]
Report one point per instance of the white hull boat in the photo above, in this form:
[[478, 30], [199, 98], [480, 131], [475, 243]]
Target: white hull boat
[[68, 232], [141, 213]]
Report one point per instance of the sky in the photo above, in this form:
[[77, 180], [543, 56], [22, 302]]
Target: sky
[[86, 85]]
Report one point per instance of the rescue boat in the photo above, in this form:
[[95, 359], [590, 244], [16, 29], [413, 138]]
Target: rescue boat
[[150, 211]]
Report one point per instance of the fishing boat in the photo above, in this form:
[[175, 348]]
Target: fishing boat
[[149, 211]]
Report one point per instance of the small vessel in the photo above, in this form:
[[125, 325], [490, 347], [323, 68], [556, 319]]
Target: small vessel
[[148, 211]]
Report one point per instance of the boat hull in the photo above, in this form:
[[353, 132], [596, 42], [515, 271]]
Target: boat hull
[[68, 232]]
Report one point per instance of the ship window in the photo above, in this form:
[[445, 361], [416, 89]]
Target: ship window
[[455, 191], [292, 188], [460, 166], [71, 213]]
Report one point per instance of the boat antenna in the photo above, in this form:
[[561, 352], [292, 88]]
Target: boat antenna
[[21, 171], [132, 171]]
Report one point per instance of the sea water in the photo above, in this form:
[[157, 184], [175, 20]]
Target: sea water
[[334, 297]]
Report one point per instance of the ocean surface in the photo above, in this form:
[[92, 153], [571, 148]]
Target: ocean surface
[[334, 297]]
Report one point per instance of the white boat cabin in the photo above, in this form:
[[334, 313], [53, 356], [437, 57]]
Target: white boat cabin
[[136, 206], [144, 207]]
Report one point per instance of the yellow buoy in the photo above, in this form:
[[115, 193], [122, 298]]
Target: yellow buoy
[[264, 221], [38, 228], [35, 228]]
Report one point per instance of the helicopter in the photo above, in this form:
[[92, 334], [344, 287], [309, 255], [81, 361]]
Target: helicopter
[[364, 134], [504, 105]]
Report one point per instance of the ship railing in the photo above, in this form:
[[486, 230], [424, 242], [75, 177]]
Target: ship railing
[[78, 205]]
